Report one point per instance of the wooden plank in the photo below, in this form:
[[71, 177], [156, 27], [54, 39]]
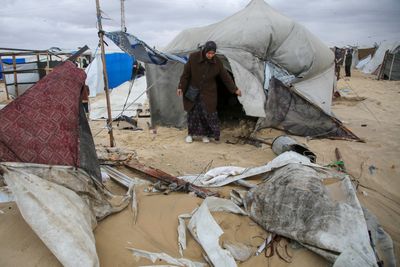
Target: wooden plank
[[169, 179], [105, 77]]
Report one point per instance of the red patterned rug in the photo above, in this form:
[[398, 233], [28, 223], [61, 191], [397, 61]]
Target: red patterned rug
[[41, 125]]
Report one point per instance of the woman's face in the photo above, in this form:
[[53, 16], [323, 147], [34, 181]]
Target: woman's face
[[210, 54]]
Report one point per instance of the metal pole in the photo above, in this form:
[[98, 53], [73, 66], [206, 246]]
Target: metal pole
[[103, 59]]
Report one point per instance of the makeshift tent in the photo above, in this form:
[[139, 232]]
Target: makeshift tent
[[378, 58], [248, 42], [119, 70], [391, 66], [48, 161]]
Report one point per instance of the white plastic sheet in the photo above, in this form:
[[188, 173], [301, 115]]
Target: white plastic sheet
[[94, 78], [61, 219]]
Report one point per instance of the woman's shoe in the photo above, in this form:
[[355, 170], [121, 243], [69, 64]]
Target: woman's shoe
[[206, 140], [189, 139]]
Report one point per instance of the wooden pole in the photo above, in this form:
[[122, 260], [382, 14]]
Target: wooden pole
[[38, 61], [4, 78], [15, 76], [123, 28], [103, 59], [391, 66], [48, 65]]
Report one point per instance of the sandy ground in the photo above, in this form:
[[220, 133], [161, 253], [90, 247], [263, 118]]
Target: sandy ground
[[375, 164]]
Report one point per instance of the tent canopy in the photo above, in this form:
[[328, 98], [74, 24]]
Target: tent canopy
[[248, 40]]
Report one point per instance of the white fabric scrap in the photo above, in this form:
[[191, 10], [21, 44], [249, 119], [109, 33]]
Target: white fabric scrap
[[225, 175], [221, 173], [206, 231], [182, 232], [153, 256], [213, 204]]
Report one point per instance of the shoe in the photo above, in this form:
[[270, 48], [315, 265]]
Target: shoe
[[206, 140], [189, 139]]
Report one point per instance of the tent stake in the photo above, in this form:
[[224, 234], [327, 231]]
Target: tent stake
[[103, 59]]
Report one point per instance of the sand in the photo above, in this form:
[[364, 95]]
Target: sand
[[375, 164]]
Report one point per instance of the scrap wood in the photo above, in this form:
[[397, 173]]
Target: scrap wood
[[169, 179], [256, 139], [250, 140]]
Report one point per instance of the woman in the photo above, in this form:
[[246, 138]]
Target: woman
[[201, 72]]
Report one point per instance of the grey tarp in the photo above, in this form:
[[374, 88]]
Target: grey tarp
[[289, 111], [391, 67], [315, 206], [248, 39]]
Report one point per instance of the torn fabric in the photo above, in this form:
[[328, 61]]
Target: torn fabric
[[140, 50], [206, 231]]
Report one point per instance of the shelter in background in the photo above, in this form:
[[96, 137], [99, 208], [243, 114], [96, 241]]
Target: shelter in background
[[258, 47], [22, 68], [385, 62], [390, 69], [365, 52]]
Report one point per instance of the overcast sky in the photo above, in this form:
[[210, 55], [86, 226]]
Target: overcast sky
[[41, 24]]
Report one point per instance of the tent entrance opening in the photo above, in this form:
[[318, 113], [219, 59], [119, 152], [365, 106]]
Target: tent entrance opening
[[228, 107]]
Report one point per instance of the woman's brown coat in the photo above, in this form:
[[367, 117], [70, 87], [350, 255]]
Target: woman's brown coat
[[198, 68]]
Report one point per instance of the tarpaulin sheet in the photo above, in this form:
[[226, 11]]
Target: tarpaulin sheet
[[119, 68], [10, 61]]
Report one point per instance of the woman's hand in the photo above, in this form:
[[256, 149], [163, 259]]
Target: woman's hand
[[179, 92], [238, 92]]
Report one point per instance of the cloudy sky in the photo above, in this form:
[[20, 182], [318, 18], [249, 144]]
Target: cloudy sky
[[41, 24]]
